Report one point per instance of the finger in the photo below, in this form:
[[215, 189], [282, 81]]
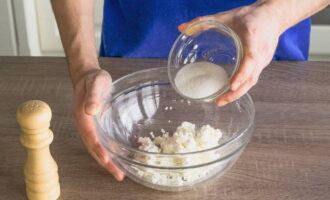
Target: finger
[[220, 17], [183, 27], [102, 157], [234, 95], [111, 168], [101, 153], [245, 70], [95, 90], [115, 171]]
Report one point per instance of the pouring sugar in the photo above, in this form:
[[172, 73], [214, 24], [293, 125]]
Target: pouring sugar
[[200, 79]]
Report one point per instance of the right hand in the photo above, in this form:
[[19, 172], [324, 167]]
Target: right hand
[[258, 28], [89, 91]]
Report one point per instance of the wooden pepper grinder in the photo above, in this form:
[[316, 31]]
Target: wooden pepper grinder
[[40, 170]]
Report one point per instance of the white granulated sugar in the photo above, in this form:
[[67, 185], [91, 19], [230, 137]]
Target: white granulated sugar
[[200, 79], [185, 139]]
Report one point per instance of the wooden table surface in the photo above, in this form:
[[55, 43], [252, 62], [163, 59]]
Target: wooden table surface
[[287, 158]]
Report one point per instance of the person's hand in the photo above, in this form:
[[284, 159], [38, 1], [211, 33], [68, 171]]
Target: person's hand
[[259, 30], [89, 91]]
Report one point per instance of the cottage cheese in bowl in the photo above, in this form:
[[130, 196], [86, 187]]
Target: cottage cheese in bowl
[[184, 140]]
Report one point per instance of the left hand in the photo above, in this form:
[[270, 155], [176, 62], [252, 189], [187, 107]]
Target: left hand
[[258, 28], [89, 93]]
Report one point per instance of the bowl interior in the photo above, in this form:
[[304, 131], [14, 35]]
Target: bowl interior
[[145, 102]]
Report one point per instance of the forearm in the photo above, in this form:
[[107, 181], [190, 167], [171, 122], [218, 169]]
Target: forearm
[[290, 12], [76, 25]]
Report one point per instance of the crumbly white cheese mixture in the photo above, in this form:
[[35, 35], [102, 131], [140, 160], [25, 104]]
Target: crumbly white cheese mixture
[[185, 139]]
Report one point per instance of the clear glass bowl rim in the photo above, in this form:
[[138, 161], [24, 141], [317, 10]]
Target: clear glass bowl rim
[[136, 150]]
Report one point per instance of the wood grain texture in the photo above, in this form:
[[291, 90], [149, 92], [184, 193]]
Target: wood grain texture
[[287, 158]]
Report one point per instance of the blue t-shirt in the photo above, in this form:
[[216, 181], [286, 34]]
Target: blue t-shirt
[[148, 28]]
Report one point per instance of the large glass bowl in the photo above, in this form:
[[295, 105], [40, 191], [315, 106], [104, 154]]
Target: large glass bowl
[[145, 101]]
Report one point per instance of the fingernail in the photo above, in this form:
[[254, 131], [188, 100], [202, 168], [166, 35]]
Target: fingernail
[[91, 109], [118, 177], [183, 26], [221, 103]]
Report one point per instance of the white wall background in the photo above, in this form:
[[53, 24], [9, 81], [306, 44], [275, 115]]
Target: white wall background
[[7, 29], [49, 37], [28, 28], [320, 43]]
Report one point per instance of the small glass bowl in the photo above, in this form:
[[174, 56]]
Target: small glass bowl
[[209, 41], [145, 102]]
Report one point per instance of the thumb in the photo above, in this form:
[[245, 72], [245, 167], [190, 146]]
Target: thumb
[[94, 93]]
